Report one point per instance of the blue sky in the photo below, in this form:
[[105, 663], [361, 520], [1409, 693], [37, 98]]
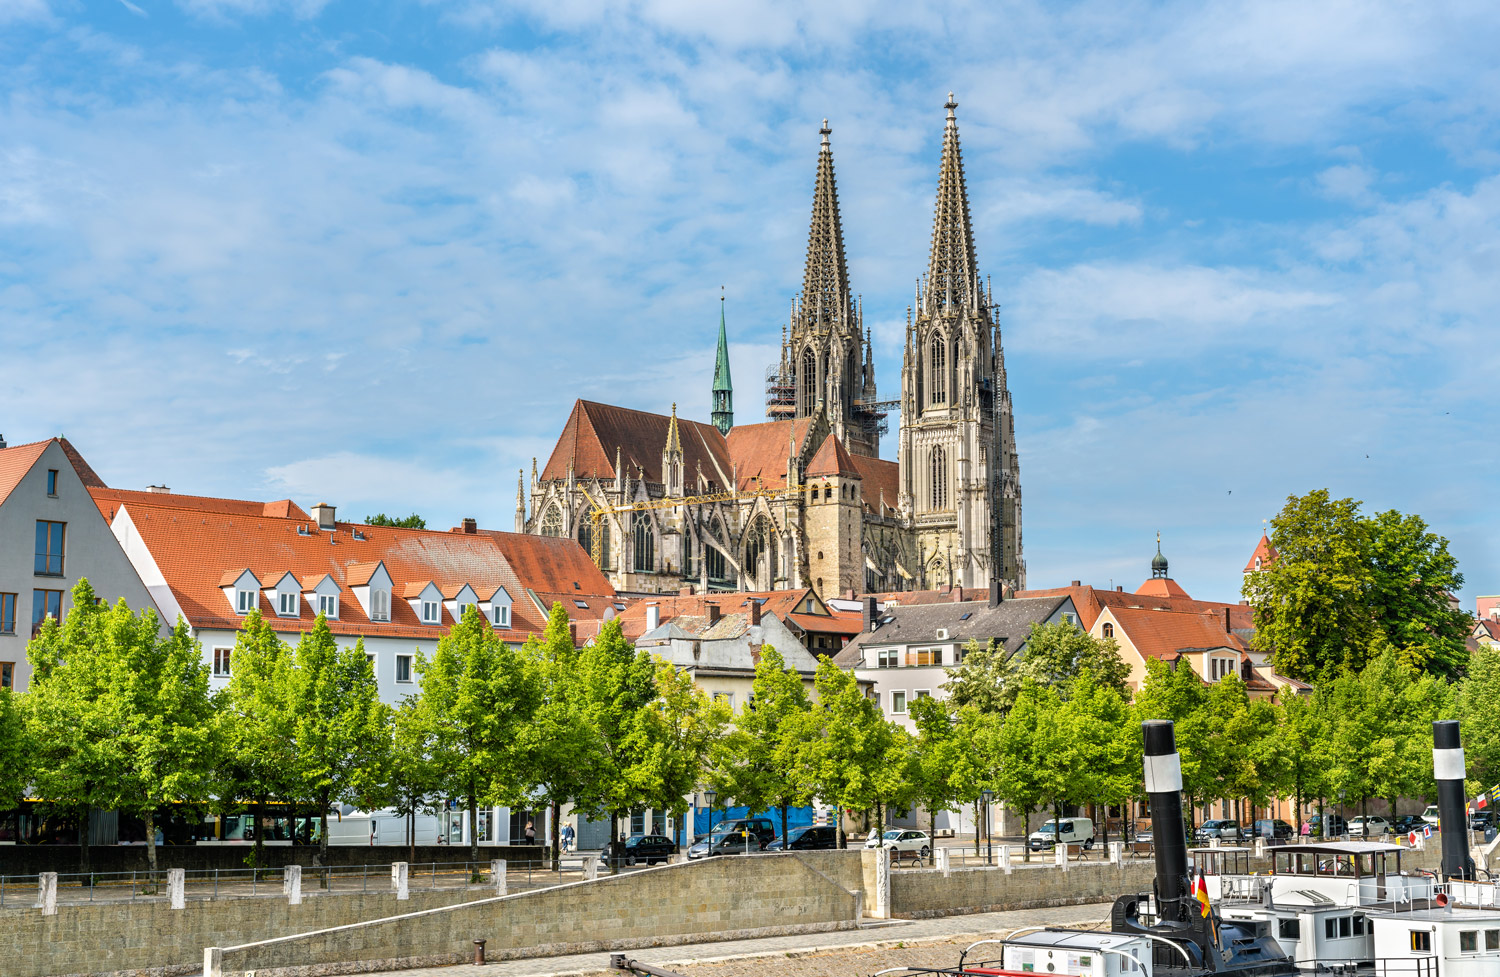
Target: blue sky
[[370, 252]]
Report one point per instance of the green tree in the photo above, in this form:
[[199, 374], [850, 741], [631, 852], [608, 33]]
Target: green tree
[[341, 729], [937, 755], [259, 726], [843, 764], [475, 700], [412, 784], [761, 746], [412, 521], [1477, 704], [1019, 742], [979, 680], [1342, 579], [15, 752], [680, 729], [1298, 754], [1177, 693], [1053, 655], [1102, 748]]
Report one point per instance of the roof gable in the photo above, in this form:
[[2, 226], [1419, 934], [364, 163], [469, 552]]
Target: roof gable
[[832, 459], [1009, 622], [595, 432], [15, 462]]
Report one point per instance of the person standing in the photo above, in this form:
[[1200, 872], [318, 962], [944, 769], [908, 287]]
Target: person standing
[[530, 833], [567, 837]]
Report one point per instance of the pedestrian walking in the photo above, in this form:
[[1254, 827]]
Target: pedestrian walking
[[530, 833], [567, 837]]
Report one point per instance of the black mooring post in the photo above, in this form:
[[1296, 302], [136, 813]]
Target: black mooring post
[[1163, 769], [1448, 770]]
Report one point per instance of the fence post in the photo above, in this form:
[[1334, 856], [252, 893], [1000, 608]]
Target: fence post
[[1060, 855], [1002, 852], [882, 909], [1116, 852], [291, 884], [47, 883], [497, 876], [942, 861], [591, 868], [177, 887], [213, 962], [399, 880]]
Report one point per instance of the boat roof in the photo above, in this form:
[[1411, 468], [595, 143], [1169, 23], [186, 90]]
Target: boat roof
[[1452, 914], [1075, 938], [1340, 847]]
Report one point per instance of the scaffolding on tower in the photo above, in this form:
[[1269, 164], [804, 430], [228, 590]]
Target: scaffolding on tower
[[781, 395]]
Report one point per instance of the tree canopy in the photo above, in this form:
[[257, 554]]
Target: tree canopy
[[412, 521]]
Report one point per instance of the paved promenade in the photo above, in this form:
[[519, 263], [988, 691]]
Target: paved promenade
[[875, 946]]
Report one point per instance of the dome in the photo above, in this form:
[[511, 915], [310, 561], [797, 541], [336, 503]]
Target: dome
[[1158, 562]]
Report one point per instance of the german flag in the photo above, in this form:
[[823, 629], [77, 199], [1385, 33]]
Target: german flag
[[1200, 892]]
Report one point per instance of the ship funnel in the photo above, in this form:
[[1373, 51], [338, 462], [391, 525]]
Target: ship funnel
[[1164, 791], [1448, 769]]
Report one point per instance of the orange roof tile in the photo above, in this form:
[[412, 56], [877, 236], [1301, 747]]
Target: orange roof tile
[[1091, 600], [777, 602], [109, 499], [759, 451], [85, 473], [1158, 634], [881, 482], [551, 564], [816, 624], [359, 574], [231, 576], [594, 431], [16, 461], [1264, 553], [831, 459], [1161, 587]]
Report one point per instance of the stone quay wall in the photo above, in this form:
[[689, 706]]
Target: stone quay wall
[[64, 859]]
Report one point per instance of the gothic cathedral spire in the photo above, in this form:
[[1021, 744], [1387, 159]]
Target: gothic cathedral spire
[[829, 368], [723, 394], [959, 471]]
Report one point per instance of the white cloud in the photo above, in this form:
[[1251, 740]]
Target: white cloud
[[221, 9], [21, 10]]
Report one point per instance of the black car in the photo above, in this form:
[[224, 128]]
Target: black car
[[1274, 829], [1480, 820], [648, 849], [1406, 823], [809, 837]]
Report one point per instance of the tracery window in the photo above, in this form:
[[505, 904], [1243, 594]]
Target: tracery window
[[939, 478], [552, 524], [714, 563], [645, 544], [809, 380], [938, 363]]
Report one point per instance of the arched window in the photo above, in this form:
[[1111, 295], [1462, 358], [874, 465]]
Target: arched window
[[1109, 630], [939, 478], [586, 538], [755, 548], [687, 554], [552, 522], [645, 544], [938, 364], [852, 380], [809, 381], [713, 563]]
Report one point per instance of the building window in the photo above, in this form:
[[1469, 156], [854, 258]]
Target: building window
[[370, 657], [45, 604], [328, 605], [809, 382], [380, 605], [429, 612], [925, 656], [898, 702], [939, 366], [887, 658], [286, 604], [924, 693], [52, 482], [645, 544], [725, 697], [1421, 941], [713, 563], [1109, 630], [1289, 929], [501, 615], [403, 668], [552, 522], [7, 675], [49, 548], [939, 478], [7, 613], [246, 600], [221, 661], [586, 529]]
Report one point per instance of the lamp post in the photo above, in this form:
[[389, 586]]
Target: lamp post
[[710, 796], [989, 850]]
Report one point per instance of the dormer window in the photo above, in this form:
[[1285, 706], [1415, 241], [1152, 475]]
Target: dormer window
[[328, 605], [380, 605], [430, 611], [246, 601], [287, 604], [501, 615]]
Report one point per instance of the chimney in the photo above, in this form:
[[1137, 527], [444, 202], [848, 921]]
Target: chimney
[[2, 441], [849, 594], [869, 611], [1076, 583], [713, 614], [470, 526], [1119, 588], [754, 613], [996, 593], [686, 591], [958, 593], [653, 616], [158, 490], [1228, 628], [322, 513], [573, 633]]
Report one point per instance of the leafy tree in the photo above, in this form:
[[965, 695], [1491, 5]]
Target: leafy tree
[[412, 783], [1341, 579], [979, 680], [258, 724], [937, 754], [1298, 749], [1019, 744], [1102, 750], [340, 727], [1477, 704], [1238, 747], [752, 761], [15, 752], [845, 764], [1052, 655], [1177, 693], [412, 521], [975, 765], [680, 728], [475, 700]]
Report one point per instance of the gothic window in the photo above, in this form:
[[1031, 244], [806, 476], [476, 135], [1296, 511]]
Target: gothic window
[[760, 544], [809, 381], [586, 539], [552, 524], [714, 563], [939, 367], [645, 544], [687, 554], [939, 478], [852, 387]]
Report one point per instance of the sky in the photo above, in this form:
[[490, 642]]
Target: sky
[[370, 252]]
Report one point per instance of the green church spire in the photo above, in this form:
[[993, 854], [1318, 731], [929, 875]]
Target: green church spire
[[723, 412]]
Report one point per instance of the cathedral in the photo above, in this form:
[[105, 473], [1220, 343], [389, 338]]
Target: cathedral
[[803, 499]]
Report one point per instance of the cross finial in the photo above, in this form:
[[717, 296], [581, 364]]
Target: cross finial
[[950, 105], [825, 131]]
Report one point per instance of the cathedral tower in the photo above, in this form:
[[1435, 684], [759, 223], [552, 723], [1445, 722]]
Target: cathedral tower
[[960, 477], [723, 410], [827, 359]]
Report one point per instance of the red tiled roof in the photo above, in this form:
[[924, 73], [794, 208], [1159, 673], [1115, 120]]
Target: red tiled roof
[[359, 574], [594, 431], [109, 499], [551, 564], [1091, 600], [831, 459], [1161, 587], [85, 473], [195, 548], [1491, 627], [1158, 634], [840, 624], [1264, 552], [16, 461], [759, 451], [881, 481], [777, 602]]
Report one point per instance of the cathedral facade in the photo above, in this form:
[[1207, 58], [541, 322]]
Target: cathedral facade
[[803, 499]]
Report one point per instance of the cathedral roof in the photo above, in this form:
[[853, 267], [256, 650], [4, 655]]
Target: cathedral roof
[[882, 481], [759, 451], [594, 432], [951, 271], [832, 459]]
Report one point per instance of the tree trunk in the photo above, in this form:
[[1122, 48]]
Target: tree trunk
[[1104, 822], [323, 804], [411, 830], [1026, 834], [259, 852], [785, 841], [556, 836], [151, 844], [83, 842], [838, 827], [473, 822], [977, 802], [614, 843]]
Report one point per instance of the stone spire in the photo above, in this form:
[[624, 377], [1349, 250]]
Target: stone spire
[[520, 500], [723, 393], [952, 278], [825, 283]]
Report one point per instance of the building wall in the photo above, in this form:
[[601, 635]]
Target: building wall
[[835, 542], [89, 550]]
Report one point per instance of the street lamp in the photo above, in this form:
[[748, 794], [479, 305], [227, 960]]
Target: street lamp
[[710, 796], [989, 851]]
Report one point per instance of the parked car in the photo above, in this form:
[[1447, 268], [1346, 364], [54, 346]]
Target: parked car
[[1068, 831], [1431, 816], [1336, 826], [762, 828], [902, 840], [809, 837], [1480, 820], [1368, 826], [648, 849], [1272, 829], [1223, 829], [1403, 823]]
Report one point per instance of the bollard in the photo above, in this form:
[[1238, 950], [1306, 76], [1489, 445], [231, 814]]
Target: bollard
[[882, 909], [47, 884], [591, 868], [213, 962], [497, 875], [1116, 852], [1002, 852], [1213, 842], [479, 953], [399, 880], [177, 888], [943, 861], [1260, 847], [1060, 856], [291, 884]]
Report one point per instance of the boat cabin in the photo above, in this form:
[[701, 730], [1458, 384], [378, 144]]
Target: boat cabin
[[1437, 943], [1346, 873], [1072, 953]]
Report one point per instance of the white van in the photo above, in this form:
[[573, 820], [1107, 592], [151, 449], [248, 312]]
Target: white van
[[1068, 831], [383, 827]]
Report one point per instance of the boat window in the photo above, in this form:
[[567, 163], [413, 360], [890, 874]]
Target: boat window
[[1359, 926], [1491, 940], [1365, 864], [1346, 924], [1289, 929], [1421, 941], [1468, 941]]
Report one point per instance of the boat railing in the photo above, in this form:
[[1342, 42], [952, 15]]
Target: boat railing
[[1243, 890], [1425, 966]]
